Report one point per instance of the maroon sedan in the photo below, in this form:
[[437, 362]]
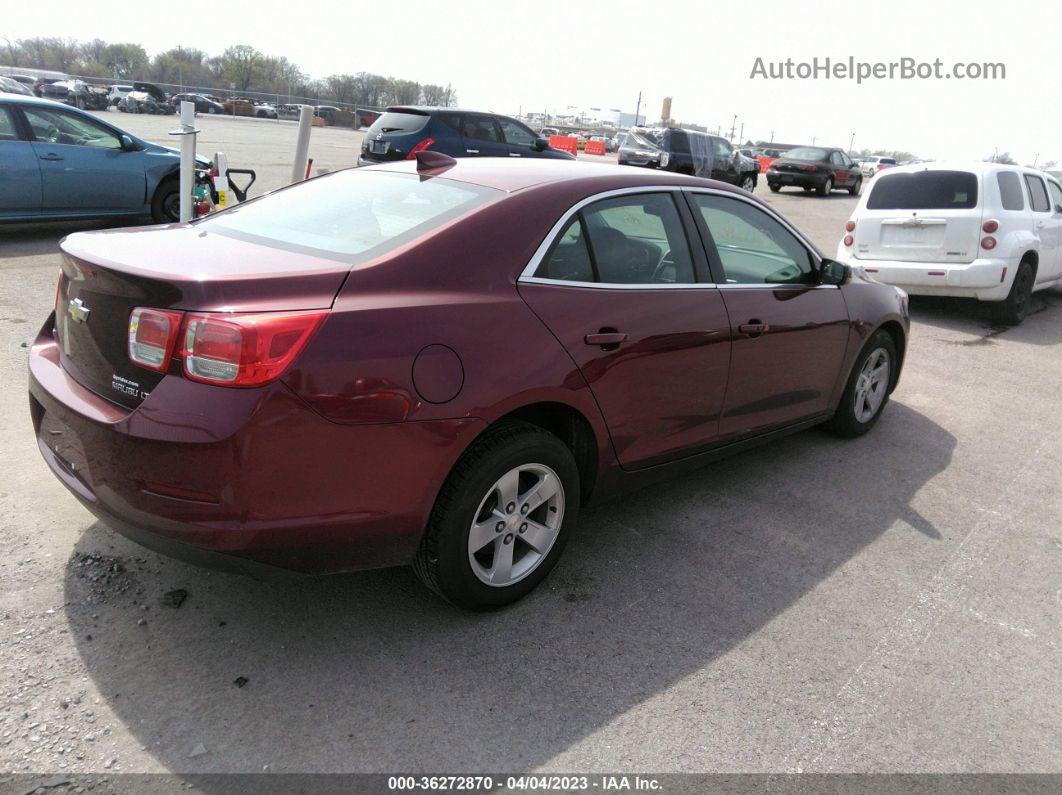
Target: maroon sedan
[[440, 363]]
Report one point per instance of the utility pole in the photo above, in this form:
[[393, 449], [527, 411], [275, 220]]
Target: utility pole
[[733, 126], [813, 139], [772, 136], [1035, 159], [851, 143], [637, 109], [741, 136]]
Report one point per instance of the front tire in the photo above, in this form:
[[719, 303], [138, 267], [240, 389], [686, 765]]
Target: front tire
[[1011, 311], [502, 518], [166, 203], [748, 183], [826, 188], [867, 391], [774, 188]]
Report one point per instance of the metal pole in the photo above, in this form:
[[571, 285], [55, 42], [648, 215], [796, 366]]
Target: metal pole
[[851, 143], [637, 109], [187, 131], [302, 144]]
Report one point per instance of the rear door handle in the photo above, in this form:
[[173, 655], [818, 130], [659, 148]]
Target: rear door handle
[[51, 156], [754, 328], [606, 339]]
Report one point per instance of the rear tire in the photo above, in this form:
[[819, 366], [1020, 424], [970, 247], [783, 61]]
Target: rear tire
[[1012, 310], [854, 190], [867, 392], [748, 183], [471, 507], [827, 187], [774, 188]]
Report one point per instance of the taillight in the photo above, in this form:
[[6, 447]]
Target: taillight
[[988, 243], [152, 335], [808, 168], [990, 226], [848, 240], [420, 147], [244, 349], [850, 226]]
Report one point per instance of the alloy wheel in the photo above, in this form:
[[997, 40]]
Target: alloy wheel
[[872, 385], [748, 184], [517, 522]]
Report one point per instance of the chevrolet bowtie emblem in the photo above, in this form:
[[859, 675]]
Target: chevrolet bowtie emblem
[[78, 310]]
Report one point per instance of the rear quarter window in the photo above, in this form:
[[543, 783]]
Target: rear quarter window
[[924, 190], [1010, 194]]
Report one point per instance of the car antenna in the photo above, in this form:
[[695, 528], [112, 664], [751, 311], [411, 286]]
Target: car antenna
[[434, 161]]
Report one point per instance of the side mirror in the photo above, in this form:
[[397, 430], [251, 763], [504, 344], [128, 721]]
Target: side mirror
[[128, 144], [832, 272], [540, 145]]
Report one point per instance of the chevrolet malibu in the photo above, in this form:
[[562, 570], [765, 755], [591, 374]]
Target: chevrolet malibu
[[440, 362]]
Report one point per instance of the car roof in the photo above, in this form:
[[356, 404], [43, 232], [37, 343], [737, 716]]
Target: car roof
[[23, 99], [437, 109], [975, 166], [511, 175]]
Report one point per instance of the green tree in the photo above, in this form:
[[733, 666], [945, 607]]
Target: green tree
[[241, 64]]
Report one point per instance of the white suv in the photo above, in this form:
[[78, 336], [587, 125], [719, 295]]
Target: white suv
[[976, 230]]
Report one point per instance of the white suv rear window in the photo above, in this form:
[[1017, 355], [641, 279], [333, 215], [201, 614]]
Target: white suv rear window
[[924, 190]]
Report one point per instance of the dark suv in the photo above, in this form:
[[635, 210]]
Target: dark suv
[[689, 152], [402, 131]]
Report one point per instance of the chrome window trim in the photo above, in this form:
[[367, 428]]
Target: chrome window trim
[[527, 275]]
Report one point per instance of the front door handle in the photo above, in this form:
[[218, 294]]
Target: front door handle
[[608, 339], [754, 328], [51, 156], [472, 151]]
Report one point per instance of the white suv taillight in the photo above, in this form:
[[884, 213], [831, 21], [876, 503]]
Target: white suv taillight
[[244, 349], [152, 334]]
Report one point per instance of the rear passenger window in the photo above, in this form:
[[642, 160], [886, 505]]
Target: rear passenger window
[[481, 128], [7, 125], [452, 120], [635, 240], [1010, 190], [1037, 194], [753, 247]]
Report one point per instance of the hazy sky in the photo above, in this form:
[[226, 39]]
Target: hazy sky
[[504, 56]]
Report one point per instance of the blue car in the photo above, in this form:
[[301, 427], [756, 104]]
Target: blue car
[[58, 162], [401, 131]]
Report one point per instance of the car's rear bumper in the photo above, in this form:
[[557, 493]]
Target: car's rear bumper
[[243, 479], [786, 179], [987, 279]]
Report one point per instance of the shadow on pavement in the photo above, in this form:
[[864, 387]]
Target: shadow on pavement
[[369, 672], [1041, 326]]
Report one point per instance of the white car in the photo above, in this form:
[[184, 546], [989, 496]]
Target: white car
[[872, 165], [976, 230]]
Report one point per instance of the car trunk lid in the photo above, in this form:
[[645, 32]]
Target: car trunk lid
[[922, 216], [105, 275]]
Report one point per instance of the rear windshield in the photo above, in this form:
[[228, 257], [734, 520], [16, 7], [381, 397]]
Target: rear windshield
[[806, 153], [392, 122], [924, 190], [352, 215]]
